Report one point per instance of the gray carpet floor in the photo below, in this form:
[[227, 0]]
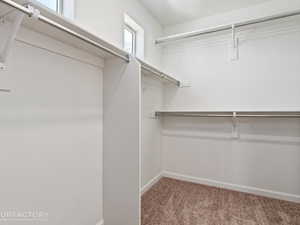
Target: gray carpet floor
[[173, 202]]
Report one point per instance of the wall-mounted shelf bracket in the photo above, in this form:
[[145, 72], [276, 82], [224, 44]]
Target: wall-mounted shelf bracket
[[234, 45], [10, 38], [11, 33], [235, 131]]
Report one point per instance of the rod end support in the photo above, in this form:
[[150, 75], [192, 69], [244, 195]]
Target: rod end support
[[34, 13]]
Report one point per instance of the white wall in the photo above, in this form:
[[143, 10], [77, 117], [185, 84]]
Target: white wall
[[152, 99], [121, 142], [264, 160], [106, 18], [51, 132], [266, 77]]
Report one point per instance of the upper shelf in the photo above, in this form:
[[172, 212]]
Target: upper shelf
[[225, 27], [147, 67], [61, 29], [46, 21]]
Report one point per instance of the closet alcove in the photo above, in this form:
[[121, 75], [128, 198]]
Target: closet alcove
[[48, 60], [85, 125]]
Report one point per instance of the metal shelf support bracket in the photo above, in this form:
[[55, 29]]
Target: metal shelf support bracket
[[234, 46], [11, 34], [235, 131]]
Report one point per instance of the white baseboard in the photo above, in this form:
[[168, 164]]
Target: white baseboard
[[100, 222], [147, 186], [235, 187]]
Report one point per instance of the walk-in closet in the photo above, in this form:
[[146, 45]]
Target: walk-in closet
[[142, 112]]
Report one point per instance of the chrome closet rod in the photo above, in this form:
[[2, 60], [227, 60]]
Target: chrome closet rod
[[237, 115], [194, 115], [272, 116], [161, 75], [157, 73], [64, 29], [219, 28]]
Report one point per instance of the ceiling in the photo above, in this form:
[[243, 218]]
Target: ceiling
[[170, 12]]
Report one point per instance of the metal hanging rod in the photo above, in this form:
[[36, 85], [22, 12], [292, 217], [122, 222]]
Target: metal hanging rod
[[60, 27], [230, 114], [158, 73], [225, 27]]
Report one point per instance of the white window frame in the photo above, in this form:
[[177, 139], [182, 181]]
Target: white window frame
[[139, 35], [65, 8], [59, 6], [134, 38]]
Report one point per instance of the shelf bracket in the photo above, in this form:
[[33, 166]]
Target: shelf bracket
[[12, 33], [234, 46], [10, 38], [235, 131]]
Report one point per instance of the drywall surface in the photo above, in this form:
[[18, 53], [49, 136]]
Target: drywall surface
[[106, 18], [265, 159], [265, 77], [51, 134], [122, 145], [152, 99]]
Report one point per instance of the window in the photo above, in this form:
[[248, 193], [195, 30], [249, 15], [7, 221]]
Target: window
[[133, 37], [55, 5], [62, 7], [129, 40]]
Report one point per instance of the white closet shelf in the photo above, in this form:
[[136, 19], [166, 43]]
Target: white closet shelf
[[231, 114], [59, 28], [225, 27], [151, 69]]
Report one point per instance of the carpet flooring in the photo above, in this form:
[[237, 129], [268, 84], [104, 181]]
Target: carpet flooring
[[173, 202]]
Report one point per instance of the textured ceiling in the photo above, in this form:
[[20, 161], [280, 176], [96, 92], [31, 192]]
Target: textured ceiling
[[170, 12]]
